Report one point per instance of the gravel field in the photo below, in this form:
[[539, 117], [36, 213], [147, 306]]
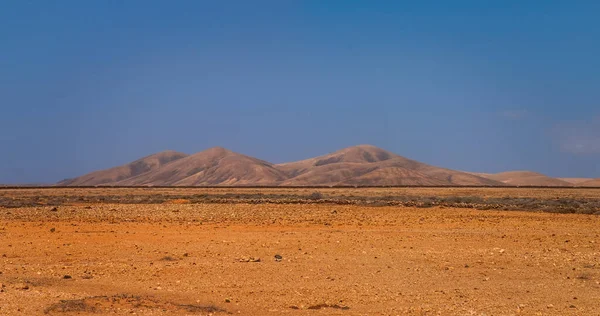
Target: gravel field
[[65, 252]]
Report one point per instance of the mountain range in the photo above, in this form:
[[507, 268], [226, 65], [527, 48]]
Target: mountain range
[[362, 165]]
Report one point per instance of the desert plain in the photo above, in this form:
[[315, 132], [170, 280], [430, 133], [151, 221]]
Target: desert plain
[[299, 251]]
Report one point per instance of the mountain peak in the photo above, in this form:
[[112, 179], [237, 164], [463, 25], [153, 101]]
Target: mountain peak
[[218, 149], [361, 153], [133, 169]]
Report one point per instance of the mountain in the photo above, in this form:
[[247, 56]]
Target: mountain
[[575, 181], [215, 166], [590, 183], [133, 169], [362, 165], [367, 165], [525, 178]]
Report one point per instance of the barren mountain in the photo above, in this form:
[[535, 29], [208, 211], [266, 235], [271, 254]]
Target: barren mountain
[[369, 165], [525, 178], [590, 183], [575, 181], [116, 174], [362, 165], [215, 166]]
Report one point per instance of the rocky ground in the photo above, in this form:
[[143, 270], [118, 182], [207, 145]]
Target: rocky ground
[[178, 257]]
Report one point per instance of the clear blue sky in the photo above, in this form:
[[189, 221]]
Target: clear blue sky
[[482, 86]]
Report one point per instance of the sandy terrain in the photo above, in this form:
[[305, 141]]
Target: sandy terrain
[[295, 259]]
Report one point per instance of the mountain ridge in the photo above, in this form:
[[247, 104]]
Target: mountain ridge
[[361, 165], [525, 178], [118, 173]]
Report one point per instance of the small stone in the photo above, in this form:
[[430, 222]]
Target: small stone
[[186, 254], [52, 229], [572, 306], [54, 209], [549, 306], [22, 286], [249, 259], [227, 300], [278, 258], [67, 277]]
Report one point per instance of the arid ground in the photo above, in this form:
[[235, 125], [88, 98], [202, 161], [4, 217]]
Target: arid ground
[[388, 251]]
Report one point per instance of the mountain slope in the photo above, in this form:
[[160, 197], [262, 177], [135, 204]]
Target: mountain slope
[[575, 181], [590, 183], [215, 166], [369, 165], [526, 178], [121, 173]]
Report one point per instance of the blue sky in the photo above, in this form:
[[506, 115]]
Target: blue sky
[[483, 86]]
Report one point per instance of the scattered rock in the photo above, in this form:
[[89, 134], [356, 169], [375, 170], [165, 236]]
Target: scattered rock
[[21, 286], [278, 258], [186, 254], [67, 277], [2, 287], [334, 212], [334, 306], [52, 229], [549, 306], [572, 306], [227, 300], [54, 209], [294, 307], [249, 259]]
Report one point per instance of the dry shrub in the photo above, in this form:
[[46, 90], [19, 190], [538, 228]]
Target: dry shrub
[[178, 201]]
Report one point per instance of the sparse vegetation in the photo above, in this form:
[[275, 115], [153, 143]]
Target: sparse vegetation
[[104, 304], [572, 205], [334, 306], [71, 306], [316, 196], [168, 258]]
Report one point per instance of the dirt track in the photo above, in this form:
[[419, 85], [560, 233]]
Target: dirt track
[[160, 259]]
